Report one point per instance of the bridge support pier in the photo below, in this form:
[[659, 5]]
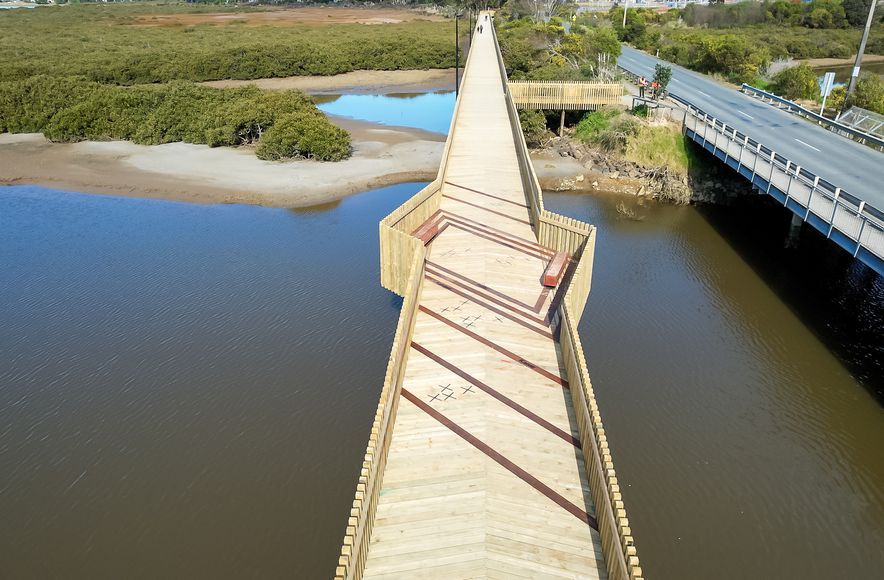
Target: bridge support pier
[[562, 124], [794, 237]]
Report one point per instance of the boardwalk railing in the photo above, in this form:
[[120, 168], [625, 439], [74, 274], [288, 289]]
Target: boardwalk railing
[[402, 271], [578, 239], [852, 223], [797, 109], [564, 95]]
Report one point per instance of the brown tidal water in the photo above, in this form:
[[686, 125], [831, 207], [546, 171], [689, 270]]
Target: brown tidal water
[[186, 390], [741, 386]]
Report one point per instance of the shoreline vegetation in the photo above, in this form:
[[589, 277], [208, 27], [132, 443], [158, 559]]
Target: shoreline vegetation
[[642, 152], [131, 92], [130, 72]]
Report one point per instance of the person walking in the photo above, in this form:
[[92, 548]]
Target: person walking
[[642, 85]]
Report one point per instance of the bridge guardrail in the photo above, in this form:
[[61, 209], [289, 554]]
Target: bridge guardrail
[[578, 239], [797, 109], [867, 215]]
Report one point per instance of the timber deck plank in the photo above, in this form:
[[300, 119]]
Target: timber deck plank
[[484, 477]]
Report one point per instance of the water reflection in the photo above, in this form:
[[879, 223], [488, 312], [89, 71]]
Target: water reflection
[[427, 111], [185, 390]]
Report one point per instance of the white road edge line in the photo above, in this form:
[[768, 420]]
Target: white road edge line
[[811, 146], [746, 114]]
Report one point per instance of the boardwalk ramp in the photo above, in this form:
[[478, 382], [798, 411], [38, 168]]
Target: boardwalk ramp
[[487, 457]]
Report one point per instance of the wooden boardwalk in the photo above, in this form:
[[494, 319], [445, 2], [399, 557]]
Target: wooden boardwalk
[[487, 457], [484, 478]]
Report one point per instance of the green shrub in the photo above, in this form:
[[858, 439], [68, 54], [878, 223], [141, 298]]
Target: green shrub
[[617, 135], [302, 134], [533, 126], [869, 93], [106, 44], [797, 82], [593, 123], [75, 109]]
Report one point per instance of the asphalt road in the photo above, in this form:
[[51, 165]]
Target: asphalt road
[[855, 168]]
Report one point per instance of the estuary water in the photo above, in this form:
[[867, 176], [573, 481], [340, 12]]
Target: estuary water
[[427, 111], [186, 390]]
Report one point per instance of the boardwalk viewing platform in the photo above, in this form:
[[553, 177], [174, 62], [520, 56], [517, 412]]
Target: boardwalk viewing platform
[[487, 457]]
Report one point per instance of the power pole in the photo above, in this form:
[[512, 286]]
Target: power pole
[[625, 6], [862, 48]]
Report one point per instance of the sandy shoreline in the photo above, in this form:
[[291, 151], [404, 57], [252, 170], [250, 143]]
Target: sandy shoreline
[[376, 82], [200, 174]]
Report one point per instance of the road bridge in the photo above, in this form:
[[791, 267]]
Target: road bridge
[[487, 457], [827, 180]]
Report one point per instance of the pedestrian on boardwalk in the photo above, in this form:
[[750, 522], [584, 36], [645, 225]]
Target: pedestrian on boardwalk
[[480, 29], [642, 85]]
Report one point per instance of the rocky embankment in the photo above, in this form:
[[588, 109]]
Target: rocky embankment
[[566, 164]]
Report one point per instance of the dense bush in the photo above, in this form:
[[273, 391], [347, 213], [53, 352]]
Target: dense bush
[[300, 135], [533, 126], [74, 110], [110, 44], [797, 82], [869, 93]]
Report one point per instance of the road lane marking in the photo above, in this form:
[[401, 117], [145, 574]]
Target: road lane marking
[[746, 114], [809, 145], [702, 93]]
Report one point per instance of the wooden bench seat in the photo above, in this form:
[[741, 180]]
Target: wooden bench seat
[[555, 269], [429, 230]]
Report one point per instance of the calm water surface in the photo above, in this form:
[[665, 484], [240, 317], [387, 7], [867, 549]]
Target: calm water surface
[[737, 381], [185, 390], [428, 111]]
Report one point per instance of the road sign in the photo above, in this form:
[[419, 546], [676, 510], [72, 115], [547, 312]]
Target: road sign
[[828, 83]]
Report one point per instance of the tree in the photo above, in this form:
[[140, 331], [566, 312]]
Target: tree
[[797, 82], [662, 76], [856, 11]]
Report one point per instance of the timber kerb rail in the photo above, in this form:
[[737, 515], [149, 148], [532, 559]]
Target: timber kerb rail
[[851, 222], [797, 109], [578, 239]]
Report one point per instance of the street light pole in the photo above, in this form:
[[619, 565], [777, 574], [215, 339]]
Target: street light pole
[[862, 48], [625, 6]]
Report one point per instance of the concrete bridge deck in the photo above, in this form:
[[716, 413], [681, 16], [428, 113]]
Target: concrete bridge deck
[[477, 464]]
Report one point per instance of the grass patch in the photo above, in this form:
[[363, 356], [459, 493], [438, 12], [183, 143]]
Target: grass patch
[[662, 146]]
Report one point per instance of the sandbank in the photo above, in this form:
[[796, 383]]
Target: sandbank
[[201, 174], [376, 82]]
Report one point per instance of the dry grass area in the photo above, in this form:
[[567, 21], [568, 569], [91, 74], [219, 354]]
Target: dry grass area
[[288, 17]]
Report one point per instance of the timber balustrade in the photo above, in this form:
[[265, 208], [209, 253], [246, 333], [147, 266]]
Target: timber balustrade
[[564, 95]]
